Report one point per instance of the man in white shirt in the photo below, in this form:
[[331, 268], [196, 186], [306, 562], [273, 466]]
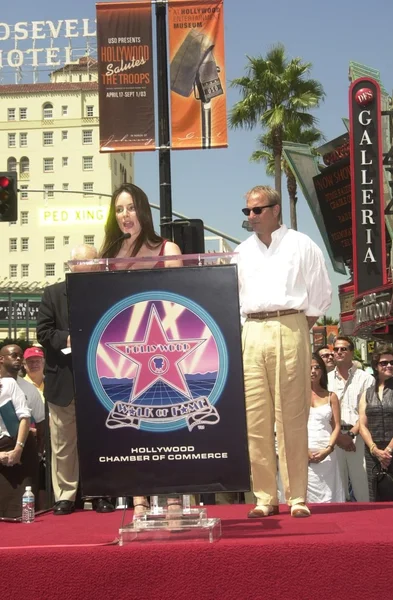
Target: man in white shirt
[[284, 287], [11, 359], [348, 383]]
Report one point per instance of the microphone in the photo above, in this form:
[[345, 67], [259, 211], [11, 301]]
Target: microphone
[[124, 236]]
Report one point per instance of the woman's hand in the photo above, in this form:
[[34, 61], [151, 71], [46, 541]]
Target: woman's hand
[[14, 456], [383, 456], [4, 458]]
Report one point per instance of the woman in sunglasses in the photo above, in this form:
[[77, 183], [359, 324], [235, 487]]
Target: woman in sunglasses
[[376, 418], [324, 481]]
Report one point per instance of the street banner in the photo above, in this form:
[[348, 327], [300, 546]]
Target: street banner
[[368, 203], [158, 381], [197, 74], [125, 76]]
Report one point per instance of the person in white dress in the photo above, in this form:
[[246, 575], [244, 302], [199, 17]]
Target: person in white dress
[[324, 481]]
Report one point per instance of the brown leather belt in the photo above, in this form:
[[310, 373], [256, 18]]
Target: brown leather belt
[[260, 316]]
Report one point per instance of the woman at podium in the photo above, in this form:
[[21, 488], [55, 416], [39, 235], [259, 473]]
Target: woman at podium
[[129, 230], [129, 233]]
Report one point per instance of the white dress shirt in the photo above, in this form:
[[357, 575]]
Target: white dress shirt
[[10, 391], [289, 274], [349, 392], [33, 398]]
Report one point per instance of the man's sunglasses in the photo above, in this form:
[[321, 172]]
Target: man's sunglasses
[[385, 363], [257, 210], [341, 349]]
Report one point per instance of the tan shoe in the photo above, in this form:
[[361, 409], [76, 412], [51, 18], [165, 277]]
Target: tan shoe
[[300, 510], [263, 510]]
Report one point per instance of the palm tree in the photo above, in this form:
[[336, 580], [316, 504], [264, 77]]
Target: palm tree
[[294, 132], [275, 92], [327, 321]]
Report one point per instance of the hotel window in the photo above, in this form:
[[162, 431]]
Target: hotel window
[[89, 240], [23, 114], [87, 136], [50, 269], [114, 166], [47, 111], [24, 194], [49, 243], [24, 165], [47, 138], [64, 135], [90, 111], [65, 187], [66, 267], [24, 217], [11, 140], [87, 188], [11, 164], [64, 111], [24, 244], [25, 270], [22, 140], [13, 246], [13, 270], [64, 161], [87, 163], [49, 191], [66, 240], [11, 114], [48, 165]]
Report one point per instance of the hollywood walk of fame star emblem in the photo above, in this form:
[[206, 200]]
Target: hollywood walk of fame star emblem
[[157, 357]]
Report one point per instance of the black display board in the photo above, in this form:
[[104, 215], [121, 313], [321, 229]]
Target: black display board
[[158, 381]]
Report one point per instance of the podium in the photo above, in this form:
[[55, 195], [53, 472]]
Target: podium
[[159, 382]]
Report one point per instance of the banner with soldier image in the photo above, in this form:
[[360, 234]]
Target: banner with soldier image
[[125, 72]]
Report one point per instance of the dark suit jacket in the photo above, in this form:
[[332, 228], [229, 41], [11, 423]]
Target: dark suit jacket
[[52, 333]]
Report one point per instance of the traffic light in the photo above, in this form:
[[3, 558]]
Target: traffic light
[[189, 235], [8, 196]]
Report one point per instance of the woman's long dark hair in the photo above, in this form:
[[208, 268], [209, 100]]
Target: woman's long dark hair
[[323, 382], [113, 232]]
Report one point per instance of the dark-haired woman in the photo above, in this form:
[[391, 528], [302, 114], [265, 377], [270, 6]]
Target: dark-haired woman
[[130, 213], [376, 417], [324, 482]]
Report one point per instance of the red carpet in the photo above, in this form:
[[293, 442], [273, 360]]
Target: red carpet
[[342, 551]]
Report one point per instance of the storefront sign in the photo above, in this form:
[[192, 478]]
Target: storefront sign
[[18, 310], [333, 188], [373, 307], [368, 222]]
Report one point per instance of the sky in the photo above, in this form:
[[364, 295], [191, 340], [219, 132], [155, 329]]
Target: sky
[[210, 184]]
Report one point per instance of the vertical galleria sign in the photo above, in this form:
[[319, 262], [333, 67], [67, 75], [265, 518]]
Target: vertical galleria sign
[[368, 220]]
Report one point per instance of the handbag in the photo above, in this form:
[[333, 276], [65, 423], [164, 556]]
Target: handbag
[[383, 484]]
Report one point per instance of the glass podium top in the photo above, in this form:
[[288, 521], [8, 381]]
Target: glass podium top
[[153, 262]]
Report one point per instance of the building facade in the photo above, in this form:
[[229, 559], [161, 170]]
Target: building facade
[[49, 135]]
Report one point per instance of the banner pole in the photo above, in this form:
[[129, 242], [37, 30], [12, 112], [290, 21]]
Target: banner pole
[[163, 123]]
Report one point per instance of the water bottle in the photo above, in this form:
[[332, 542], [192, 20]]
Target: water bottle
[[28, 506]]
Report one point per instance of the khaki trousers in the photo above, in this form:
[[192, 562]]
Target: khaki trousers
[[65, 463], [276, 357]]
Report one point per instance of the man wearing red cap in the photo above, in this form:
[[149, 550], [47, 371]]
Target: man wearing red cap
[[34, 361]]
